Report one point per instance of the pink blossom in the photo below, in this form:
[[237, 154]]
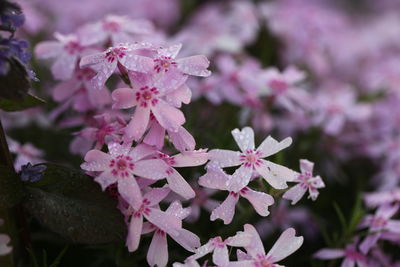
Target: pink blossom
[[378, 223], [350, 254], [24, 153], [157, 254], [286, 244], [117, 29], [251, 160], [305, 181], [66, 51], [123, 56], [79, 93], [148, 209], [176, 182], [375, 199], [219, 248], [216, 178], [120, 165], [147, 95]]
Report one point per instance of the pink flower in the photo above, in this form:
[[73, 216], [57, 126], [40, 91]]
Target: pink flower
[[24, 153], [157, 254], [120, 165], [219, 248], [194, 65], [4, 240], [181, 139], [147, 95], [381, 198], [118, 29], [378, 223], [121, 56], [251, 160], [66, 50], [176, 182], [148, 208], [350, 254], [216, 178], [286, 244], [79, 93], [305, 181]]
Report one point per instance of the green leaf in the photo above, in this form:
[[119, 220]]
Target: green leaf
[[71, 204], [11, 188], [28, 101]]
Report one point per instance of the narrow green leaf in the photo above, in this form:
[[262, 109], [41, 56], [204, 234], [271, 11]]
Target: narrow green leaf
[[341, 217], [57, 260], [28, 101]]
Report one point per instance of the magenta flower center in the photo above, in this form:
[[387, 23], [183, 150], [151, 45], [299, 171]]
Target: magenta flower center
[[121, 166], [111, 26], [73, 47], [278, 86], [378, 222], [167, 159], [251, 158], [163, 64], [147, 96], [115, 53], [217, 242], [85, 74], [263, 261], [354, 255]]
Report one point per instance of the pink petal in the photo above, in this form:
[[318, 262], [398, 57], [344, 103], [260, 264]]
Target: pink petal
[[306, 166], [138, 124], [130, 191], [156, 195], [190, 158], [226, 210], [4, 248], [115, 149], [134, 232], [244, 138], [244, 263], [270, 146], [166, 222], [148, 228], [295, 193], [105, 179], [221, 256], [181, 95], [157, 255], [241, 239], [286, 244], [260, 201], [96, 160], [104, 71], [186, 239], [171, 51], [225, 158], [369, 242], [328, 253], [90, 60], [99, 98], [393, 226], [276, 175], [137, 63], [176, 209], [141, 151], [168, 116], [182, 140], [240, 178], [154, 169], [194, 65], [65, 90], [256, 246], [123, 98], [203, 250], [48, 49], [64, 66], [179, 185], [214, 178], [155, 135]]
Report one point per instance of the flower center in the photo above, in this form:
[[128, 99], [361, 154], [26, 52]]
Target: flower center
[[147, 96], [278, 86], [251, 158], [163, 64], [121, 166], [378, 222], [73, 47], [115, 53]]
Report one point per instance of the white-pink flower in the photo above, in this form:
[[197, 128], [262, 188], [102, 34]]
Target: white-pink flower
[[4, 240], [117, 29], [251, 160], [286, 244], [148, 96], [66, 51], [123, 56], [121, 164], [157, 254], [176, 182], [306, 181], [216, 178]]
